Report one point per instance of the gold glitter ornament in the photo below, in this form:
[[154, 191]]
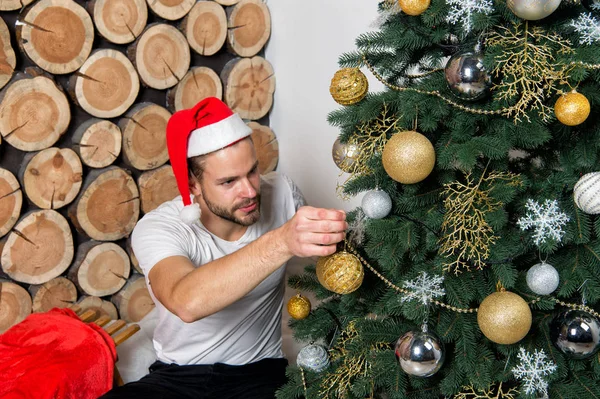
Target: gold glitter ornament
[[341, 272], [348, 86], [572, 108], [408, 157], [344, 155], [414, 7], [298, 307], [504, 317]]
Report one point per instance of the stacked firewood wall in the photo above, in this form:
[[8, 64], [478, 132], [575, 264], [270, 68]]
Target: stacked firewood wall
[[87, 90]]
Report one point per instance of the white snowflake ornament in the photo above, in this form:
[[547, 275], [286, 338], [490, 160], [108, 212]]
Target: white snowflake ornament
[[588, 28], [424, 288], [532, 369], [462, 11], [547, 220]]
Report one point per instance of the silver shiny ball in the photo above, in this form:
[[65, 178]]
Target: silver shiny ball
[[376, 204], [420, 353], [533, 10], [467, 77], [313, 357], [576, 334], [344, 155], [542, 278]]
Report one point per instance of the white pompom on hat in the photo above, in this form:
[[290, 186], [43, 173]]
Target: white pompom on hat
[[208, 127]]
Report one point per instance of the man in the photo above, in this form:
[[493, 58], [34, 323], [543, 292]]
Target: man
[[214, 261]]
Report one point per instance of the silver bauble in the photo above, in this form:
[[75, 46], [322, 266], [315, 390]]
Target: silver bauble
[[467, 77], [542, 278], [576, 334], [313, 357], [344, 155], [376, 204], [532, 10], [420, 353]]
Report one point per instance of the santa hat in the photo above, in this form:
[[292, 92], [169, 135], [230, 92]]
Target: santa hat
[[208, 127]]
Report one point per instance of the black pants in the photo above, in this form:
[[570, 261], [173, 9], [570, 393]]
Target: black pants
[[257, 380]]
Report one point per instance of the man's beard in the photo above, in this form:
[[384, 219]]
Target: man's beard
[[229, 214]]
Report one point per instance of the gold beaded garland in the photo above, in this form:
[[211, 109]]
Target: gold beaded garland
[[504, 317], [349, 86], [341, 272], [572, 108], [299, 307], [414, 7], [408, 157]]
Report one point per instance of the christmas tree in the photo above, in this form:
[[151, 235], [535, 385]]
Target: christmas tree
[[472, 268]]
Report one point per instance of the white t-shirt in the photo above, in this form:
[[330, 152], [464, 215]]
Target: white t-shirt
[[247, 330]]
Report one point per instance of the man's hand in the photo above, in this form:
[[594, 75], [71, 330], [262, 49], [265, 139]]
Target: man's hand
[[314, 231]]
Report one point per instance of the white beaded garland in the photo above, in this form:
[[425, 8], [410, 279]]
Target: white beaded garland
[[587, 193], [376, 204]]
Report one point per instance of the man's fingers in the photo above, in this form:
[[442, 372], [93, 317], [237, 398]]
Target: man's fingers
[[323, 238], [323, 226], [322, 214]]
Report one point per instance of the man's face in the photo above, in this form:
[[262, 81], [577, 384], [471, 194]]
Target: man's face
[[230, 183]]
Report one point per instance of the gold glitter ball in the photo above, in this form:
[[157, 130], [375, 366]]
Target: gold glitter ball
[[344, 155], [349, 86], [504, 318], [298, 307], [341, 272], [572, 108], [408, 157], [414, 7]]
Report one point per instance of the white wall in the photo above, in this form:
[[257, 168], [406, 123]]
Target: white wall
[[307, 38]]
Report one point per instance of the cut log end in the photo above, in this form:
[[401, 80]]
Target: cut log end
[[98, 142], [98, 305], [171, 9], [249, 27], [134, 300], [15, 304], [11, 200], [56, 293], [205, 27], [266, 146], [156, 187], [8, 59], [120, 21], [198, 84]]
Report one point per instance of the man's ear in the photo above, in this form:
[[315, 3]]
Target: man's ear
[[195, 187]]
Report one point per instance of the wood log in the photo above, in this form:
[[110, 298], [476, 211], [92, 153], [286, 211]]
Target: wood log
[[100, 268], [161, 56], [59, 292], [249, 27], [52, 177], [8, 59], [119, 21], [227, 2], [15, 304], [108, 206], [34, 113], [144, 136], [106, 84], [39, 248], [249, 86], [133, 301], [99, 305], [205, 27], [11, 200], [196, 85], [11, 5], [156, 187], [57, 35], [134, 261], [97, 142], [171, 9], [266, 146]]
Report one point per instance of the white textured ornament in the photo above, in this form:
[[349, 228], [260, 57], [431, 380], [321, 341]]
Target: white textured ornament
[[190, 214], [376, 204], [542, 278], [587, 193], [313, 357]]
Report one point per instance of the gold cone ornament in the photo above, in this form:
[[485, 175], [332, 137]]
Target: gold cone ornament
[[572, 108], [341, 272], [348, 86], [504, 317], [414, 7], [408, 157], [299, 307]]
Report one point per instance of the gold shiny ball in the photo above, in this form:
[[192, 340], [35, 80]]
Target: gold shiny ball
[[572, 108], [298, 307], [341, 272], [408, 157], [349, 86], [504, 317], [344, 155], [414, 7]]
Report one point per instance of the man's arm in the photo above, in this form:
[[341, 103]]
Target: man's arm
[[193, 293]]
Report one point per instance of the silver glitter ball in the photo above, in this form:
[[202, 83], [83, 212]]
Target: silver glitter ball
[[420, 353], [467, 77], [313, 357], [576, 334], [376, 204], [542, 278], [533, 10]]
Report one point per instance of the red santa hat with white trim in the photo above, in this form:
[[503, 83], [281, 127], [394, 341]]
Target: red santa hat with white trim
[[208, 127]]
